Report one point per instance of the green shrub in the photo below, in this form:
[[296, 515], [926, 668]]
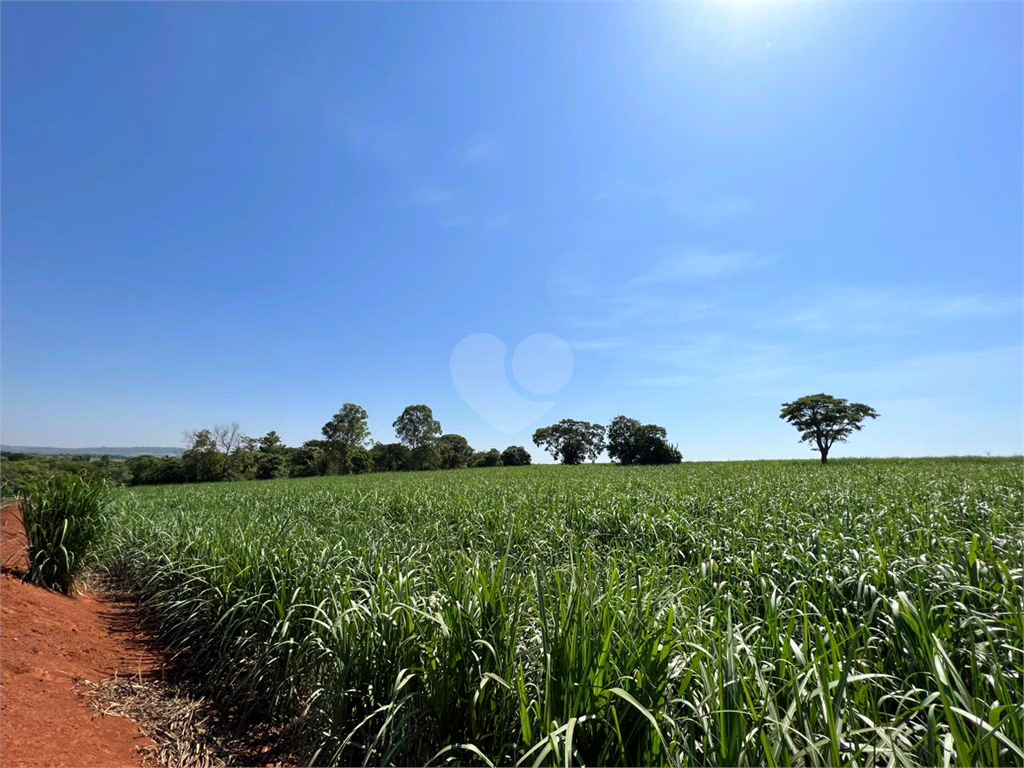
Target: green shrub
[[515, 456], [63, 517]]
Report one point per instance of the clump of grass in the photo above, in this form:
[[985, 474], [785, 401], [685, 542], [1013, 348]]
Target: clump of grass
[[63, 518]]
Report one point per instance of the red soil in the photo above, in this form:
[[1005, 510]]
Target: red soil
[[46, 640]]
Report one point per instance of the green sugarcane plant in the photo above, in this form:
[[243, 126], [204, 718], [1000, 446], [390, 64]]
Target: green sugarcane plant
[[761, 613], [63, 518]]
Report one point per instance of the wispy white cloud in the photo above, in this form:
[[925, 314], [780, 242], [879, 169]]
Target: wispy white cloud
[[497, 223], [721, 355], [673, 291], [429, 197], [598, 345], [671, 381], [701, 266], [482, 150], [974, 306], [711, 211], [617, 191], [699, 319], [949, 372], [453, 222], [730, 367], [451, 212], [698, 206], [635, 310], [888, 310]]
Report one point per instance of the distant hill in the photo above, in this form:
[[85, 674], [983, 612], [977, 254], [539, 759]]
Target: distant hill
[[103, 450]]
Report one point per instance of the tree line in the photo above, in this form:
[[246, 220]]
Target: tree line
[[626, 440], [822, 420], [224, 452], [19, 471]]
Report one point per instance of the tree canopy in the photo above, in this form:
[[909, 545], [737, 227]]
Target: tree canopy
[[417, 426], [491, 458], [271, 443], [515, 456], [202, 462], [570, 441], [390, 457], [825, 420], [630, 442], [454, 451], [346, 431]]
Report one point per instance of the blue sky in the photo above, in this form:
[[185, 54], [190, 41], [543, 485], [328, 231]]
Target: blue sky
[[258, 212]]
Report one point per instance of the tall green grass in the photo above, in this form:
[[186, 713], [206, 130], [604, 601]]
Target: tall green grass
[[63, 518], [772, 613]]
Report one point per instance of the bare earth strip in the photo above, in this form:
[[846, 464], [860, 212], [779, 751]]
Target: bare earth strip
[[47, 642]]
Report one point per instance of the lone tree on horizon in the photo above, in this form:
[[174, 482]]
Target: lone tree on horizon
[[825, 420]]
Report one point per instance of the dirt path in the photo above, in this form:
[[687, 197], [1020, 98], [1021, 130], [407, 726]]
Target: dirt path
[[47, 640]]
